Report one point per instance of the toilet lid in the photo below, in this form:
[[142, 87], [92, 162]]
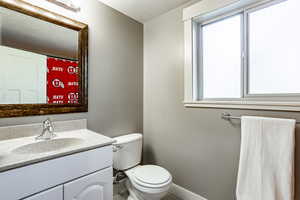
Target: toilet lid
[[152, 175]]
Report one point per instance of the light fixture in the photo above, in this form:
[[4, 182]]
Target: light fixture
[[68, 4]]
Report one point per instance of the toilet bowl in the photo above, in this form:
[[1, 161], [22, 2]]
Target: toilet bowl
[[148, 182], [145, 182]]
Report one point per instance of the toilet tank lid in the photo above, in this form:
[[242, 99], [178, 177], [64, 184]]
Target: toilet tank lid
[[128, 138]]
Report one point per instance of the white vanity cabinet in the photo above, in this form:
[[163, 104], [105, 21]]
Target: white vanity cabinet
[[96, 186], [82, 176], [51, 194]]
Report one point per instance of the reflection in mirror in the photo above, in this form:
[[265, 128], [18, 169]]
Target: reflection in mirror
[[39, 61]]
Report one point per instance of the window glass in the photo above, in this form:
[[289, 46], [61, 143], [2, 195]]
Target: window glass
[[221, 45], [274, 46]]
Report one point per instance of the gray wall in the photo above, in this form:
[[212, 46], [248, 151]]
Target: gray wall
[[199, 148], [115, 70]]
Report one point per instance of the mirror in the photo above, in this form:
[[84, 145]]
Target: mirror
[[43, 61]]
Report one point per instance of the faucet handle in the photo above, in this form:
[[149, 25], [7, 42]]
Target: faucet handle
[[47, 124], [48, 120], [48, 131]]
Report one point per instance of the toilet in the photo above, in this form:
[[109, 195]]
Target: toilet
[[145, 182]]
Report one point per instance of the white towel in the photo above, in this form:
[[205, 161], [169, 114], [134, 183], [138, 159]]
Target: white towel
[[266, 169]]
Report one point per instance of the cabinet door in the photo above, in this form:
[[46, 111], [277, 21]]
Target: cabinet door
[[51, 194], [96, 186]]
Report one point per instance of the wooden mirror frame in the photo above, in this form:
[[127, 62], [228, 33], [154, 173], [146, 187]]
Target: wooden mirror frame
[[17, 110]]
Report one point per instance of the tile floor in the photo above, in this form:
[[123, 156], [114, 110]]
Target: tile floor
[[121, 193], [168, 197]]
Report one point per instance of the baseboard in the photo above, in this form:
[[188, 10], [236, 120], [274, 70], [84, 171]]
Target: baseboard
[[184, 194]]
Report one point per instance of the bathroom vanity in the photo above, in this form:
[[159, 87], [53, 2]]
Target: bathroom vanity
[[76, 164]]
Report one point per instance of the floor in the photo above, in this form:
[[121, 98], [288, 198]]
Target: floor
[[168, 197], [121, 193]]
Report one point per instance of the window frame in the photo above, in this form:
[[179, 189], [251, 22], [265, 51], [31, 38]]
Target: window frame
[[273, 96], [197, 26], [199, 59]]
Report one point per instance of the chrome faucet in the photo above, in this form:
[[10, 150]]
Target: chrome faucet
[[48, 131]]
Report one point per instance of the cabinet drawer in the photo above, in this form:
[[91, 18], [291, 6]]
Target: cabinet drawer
[[51, 194], [96, 186]]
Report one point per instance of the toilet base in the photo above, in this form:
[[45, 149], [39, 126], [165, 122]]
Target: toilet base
[[134, 194], [130, 198]]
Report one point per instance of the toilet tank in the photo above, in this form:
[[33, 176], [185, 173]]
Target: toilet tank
[[127, 151]]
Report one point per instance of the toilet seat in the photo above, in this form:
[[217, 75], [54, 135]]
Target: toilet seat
[[142, 179], [151, 176], [148, 180]]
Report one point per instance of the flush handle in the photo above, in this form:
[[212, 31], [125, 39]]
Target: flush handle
[[117, 147]]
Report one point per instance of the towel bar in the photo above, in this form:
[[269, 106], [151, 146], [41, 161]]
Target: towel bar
[[228, 117]]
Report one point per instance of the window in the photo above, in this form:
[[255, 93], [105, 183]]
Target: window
[[249, 55], [274, 46], [221, 67]]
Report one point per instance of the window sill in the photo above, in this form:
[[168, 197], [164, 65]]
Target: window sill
[[249, 105]]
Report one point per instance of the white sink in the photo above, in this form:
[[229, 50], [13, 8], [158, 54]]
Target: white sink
[[24, 151], [47, 146]]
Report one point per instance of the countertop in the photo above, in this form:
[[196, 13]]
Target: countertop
[[10, 159]]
